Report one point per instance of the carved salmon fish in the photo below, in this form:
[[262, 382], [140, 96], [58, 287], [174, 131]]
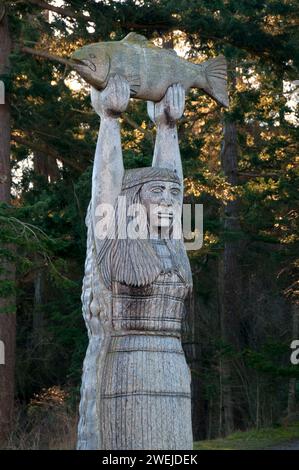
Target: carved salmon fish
[[150, 70]]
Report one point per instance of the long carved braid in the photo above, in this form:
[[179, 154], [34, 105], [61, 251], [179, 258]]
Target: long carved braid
[[96, 306]]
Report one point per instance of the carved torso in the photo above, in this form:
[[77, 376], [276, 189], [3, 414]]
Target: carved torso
[[158, 307], [145, 366]]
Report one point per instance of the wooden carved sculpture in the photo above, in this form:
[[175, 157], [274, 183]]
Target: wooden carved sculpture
[[135, 390], [136, 383], [149, 69]]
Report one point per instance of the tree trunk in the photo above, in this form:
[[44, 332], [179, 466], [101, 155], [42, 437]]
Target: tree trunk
[[38, 317], [45, 166], [7, 273], [229, 280], [192, 349]]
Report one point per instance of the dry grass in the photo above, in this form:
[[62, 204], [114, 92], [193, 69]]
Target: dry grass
[[46, 423]]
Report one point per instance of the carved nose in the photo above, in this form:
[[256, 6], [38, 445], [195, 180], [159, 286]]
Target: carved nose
[[166, 198]]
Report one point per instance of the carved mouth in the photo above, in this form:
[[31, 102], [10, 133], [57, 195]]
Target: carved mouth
[[168, 215], [163, 212], [86, 63]]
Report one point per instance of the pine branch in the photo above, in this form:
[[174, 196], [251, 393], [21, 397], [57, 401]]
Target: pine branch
[[134, 124], [243, 174], [46, 150], [125, 117], [61, 11]]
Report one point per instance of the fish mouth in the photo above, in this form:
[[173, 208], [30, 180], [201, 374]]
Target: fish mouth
[[85, 63]]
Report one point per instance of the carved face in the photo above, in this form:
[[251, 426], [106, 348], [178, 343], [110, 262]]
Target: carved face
[[162, 201]]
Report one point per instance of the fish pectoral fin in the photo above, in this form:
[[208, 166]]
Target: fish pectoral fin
[[135, 38]]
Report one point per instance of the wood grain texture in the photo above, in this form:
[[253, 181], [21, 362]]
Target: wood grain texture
[[135, 390], [136, 382]]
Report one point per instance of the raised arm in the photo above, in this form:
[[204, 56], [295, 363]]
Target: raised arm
[[108, 168], [96, 298], [165, 114]]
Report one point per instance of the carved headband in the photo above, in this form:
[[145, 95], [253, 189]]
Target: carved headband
[[139, 176]]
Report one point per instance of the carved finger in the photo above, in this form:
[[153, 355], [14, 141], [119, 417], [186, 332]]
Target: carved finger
[[123, 89], [95, 98], [111, 89], [126, 90], [118, 85], [168, 96], [176, 97], [93, 95], [110, 85], [124, 93], [151, 110], [182, 97], [159, 109]]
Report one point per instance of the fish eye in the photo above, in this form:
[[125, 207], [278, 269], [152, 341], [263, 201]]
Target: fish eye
[[92, 56]]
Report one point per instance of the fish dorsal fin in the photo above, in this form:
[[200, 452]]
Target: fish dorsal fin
[[134, 37]]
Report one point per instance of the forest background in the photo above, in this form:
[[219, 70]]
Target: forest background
[[239, 163]]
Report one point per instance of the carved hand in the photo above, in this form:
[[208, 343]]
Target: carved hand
[[113, 100], [170, 108]]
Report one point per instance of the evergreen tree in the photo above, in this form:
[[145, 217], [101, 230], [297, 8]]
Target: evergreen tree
[[53, 135]]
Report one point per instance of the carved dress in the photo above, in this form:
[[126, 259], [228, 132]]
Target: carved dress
[[145, 397]]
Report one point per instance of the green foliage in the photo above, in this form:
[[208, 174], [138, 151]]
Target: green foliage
[[7, 288], [53, 139], [268, 360], [255, 439]]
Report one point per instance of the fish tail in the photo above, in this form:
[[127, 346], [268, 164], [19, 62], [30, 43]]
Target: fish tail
[[216, 77]]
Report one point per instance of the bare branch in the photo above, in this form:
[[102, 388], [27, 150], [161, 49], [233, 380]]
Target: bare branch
[[243, 174], [46, 55]]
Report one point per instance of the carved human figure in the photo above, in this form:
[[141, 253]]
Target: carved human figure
[[135, 390]]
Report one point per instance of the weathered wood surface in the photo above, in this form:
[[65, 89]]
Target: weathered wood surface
[[136, 382], [149, 70]]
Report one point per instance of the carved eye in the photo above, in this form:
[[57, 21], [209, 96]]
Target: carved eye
[[92, 56], [175, 191], [157, 189]]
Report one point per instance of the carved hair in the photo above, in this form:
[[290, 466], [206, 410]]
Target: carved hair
[[134, 261]]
